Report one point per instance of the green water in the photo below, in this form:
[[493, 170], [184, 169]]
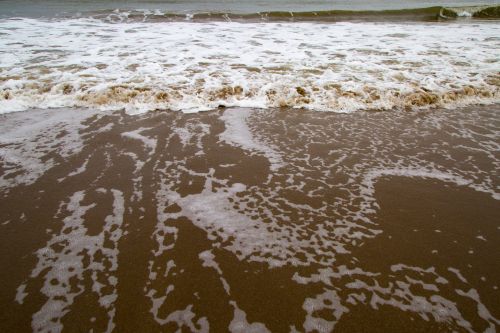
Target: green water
[[52, 8]]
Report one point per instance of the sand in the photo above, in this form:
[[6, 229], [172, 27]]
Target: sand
[[250, 220]]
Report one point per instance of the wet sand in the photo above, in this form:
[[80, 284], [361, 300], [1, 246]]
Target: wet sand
[[249, 220]]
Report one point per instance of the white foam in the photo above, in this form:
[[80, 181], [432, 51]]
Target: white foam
[[192, 131], [207, 258], [365, 288], [238, 133], [327, 300], [186, 318], [240, 324], [192, 67], [61, 267], [458, 274], [146, 141], [430, 173], [27, 139], [465, 11], [21, 293], [482, 311], [77, 171]]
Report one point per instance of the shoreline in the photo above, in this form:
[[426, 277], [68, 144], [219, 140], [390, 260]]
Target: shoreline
[[94, 111]]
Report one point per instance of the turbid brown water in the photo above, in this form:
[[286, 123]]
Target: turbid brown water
[[249, 220]]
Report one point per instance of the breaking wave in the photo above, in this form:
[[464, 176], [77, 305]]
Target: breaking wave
[[413, 14], [191, 67]]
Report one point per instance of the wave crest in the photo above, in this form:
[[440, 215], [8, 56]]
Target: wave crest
[[412, 14]]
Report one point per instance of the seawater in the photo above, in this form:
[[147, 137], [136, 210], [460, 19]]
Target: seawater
[[253, 217], [188, 66], [51, 8]]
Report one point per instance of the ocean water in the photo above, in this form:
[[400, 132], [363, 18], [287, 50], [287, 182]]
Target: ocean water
[[51, 8], [284, 207], [341, 56]]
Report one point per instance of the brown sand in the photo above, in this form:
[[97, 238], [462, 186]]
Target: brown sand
[[298, 220]]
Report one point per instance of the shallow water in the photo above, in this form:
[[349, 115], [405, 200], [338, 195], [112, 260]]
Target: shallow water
[[263, 213], [250, 220], [199, 66], [337, 56]]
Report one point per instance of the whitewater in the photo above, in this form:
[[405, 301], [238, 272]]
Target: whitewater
[[187, 66]]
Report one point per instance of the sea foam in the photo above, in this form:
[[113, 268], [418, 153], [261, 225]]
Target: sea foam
[[199, 66]]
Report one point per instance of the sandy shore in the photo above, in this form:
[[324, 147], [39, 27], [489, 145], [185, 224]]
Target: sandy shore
[[250, 220]]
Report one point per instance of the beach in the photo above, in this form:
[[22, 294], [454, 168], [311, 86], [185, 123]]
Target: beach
[[278, 218], [249, 167]]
